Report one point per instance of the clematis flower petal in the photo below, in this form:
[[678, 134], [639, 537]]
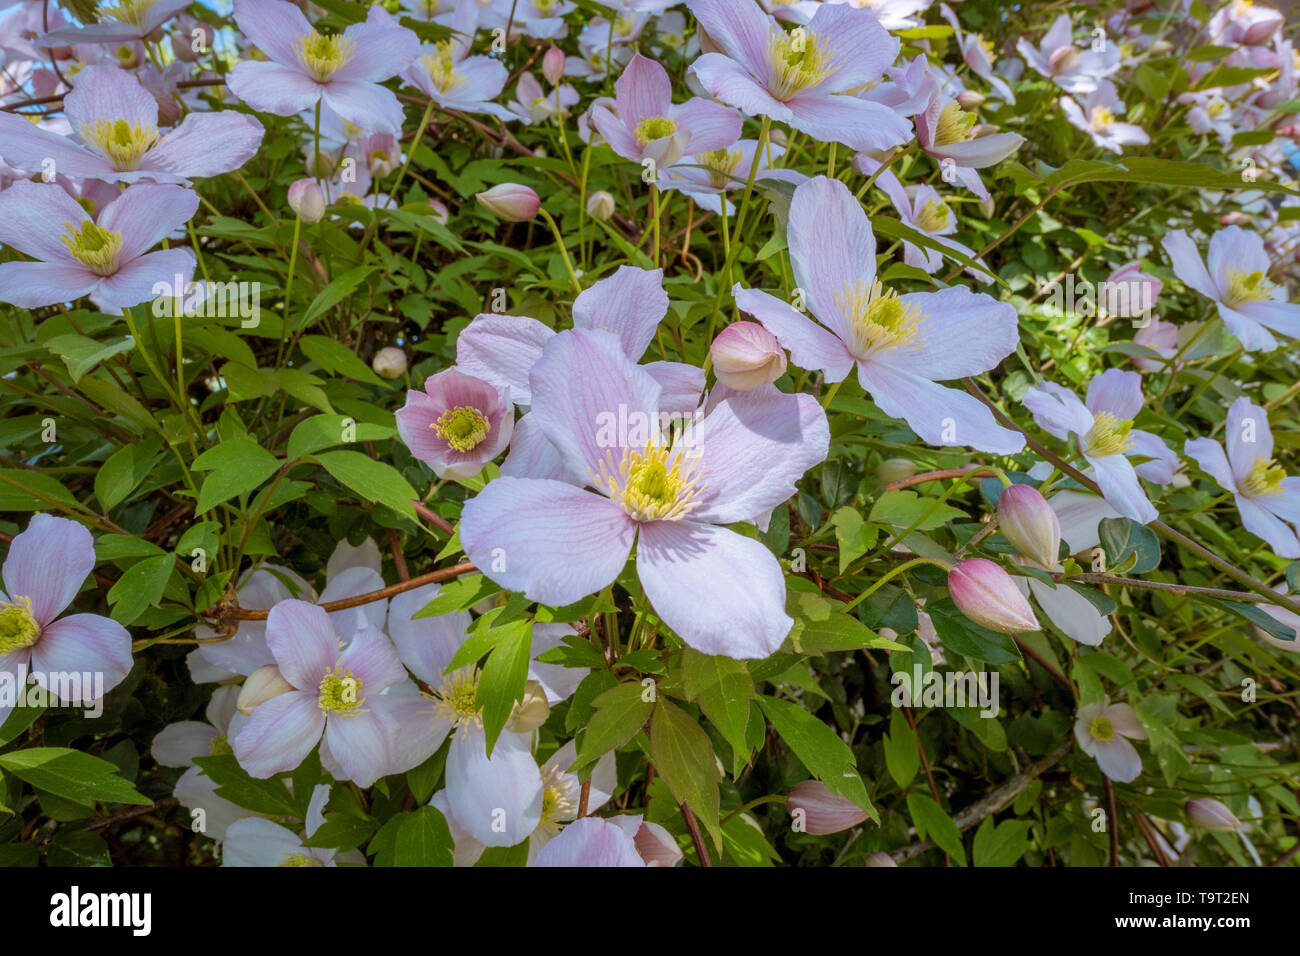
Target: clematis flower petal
[[497, 799], [48, 562], [810, 345], [1120, 486], [502, 349], [273, 87], [279, 734], [590, 841], [303, 641], [939, 415], [631, 303], [82, 643]]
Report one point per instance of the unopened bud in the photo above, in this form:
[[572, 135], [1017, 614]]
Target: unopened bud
[[746, 355], [823, 811], [511, 202], [879, 859], [531, 712], [1235, 218], [1029, 523], [969, 100], [1210, 814], [389, 362], [600, 205], [307, 200], [553, 65], [438, 209], [895, 469], [656, 845], [986, 594], [260, 686]]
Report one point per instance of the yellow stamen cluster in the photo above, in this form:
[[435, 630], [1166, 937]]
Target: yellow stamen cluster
[[1102, 118], [624, 26], [299, 859], [545, 7], [1264, 478], [123, 143], [1108, 436], [650, 128], [18, 627], [648, 487], [324, 55], [133, 12], [878, 321], [462, 427], [442, 68], [1246, 287], [558, 805], [94, 247], [221, 747], [340, 692], [797, 62], [722, 165], [454, 700], [1101, 728], [932, 216], [954, 125]]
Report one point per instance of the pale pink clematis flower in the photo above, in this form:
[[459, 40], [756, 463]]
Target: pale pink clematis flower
[[1104, 730]]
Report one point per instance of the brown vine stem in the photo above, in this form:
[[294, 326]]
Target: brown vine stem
[[433, 577], [696, 837], [991, 804], [1112, 822], [1198, 549]]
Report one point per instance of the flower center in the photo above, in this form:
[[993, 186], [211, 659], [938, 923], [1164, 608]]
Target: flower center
[[442, 70], [299, 859], [1101, 729], [133, 12], [954, 125], [624, 27], [122, 142], [340, 692], [796, 61], [1216, 108], [544, 7], [933, 216], [462, 427], [722, 164], [221, 747], [18, 627], [1246, 287], [454, 701], [94, 247], [1264, 478], [878, 321], [648, 488], [1102, 118], [1108, 436], [558, 806], [650, 128], [323, 55]]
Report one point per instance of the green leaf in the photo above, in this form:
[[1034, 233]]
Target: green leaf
[[1121, 537], [81, 354], [23, 490], [724, 690], [140, 587], [372, 480], [335, 292], [820, 628], [821, 750], [78, 848], [1252, 614], [423, 839], [683, 756], [337, 357], [237, 466], [270, 796], [325, 431], [963, 636], [71, 774], [1002, 845], [504, 677], [907, 509], [902, 755], [933, 823], [115, 478], [620, 712], [854, 536]]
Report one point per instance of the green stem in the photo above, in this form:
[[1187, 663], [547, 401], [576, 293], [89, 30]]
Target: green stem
[[564, 253]]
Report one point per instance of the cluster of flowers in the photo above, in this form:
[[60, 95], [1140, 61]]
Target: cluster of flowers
[[605, 455]]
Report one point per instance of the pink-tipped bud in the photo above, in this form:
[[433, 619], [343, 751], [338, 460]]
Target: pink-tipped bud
[[511, 202], [746, 355], [969, 100], [814, 809], [987, 595], [531, 712], [389, 362], [1210, 814], [1234, 219], [259, 687], [879, 859], [600, 205], [307, 200], [656, 845], [438, 209], [1030, 524], [553, 65]]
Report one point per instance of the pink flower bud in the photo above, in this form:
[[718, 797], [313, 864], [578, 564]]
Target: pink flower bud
[[1210, 814], [656, 845], [389, 362], [438, 209], [1030, 524], [553, 65], [879, 859], [746, 355], [818, 811], [600, 205], [307, 200], [969, 100], [987, 595], [1234, 219], [511, 202]]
